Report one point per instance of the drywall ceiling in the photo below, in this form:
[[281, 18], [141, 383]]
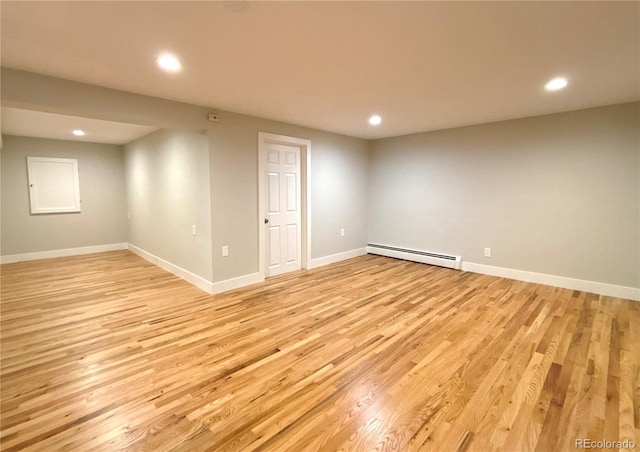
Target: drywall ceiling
[[38, 124], [330, 65]]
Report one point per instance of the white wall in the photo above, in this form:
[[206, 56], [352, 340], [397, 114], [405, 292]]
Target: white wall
[[168, 192], [102, 220], [556, 194]]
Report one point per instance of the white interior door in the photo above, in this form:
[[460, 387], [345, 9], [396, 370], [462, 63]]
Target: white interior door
[[283, 209]]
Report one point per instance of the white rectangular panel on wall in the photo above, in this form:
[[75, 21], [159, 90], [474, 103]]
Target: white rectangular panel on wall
[[53, 185]]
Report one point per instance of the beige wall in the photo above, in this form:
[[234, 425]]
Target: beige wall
[[103, 217], [167, 177], [338, 182], [556, 194], [339, 164]]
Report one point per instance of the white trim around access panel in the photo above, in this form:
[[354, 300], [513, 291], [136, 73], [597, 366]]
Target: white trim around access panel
[[333, 258], [265, 138], [23, 257], [611, 290], [58, 172], [192, 278]]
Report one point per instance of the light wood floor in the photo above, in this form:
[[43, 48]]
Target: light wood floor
[[108, 352]]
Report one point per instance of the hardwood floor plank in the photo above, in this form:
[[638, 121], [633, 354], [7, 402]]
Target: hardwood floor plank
[[109, 352]]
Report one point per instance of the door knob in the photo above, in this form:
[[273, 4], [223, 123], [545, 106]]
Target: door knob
[[266, 220]]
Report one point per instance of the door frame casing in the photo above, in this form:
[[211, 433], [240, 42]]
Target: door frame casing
[[265, 139]]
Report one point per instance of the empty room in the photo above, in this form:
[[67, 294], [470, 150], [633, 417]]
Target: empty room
[[320, 226]]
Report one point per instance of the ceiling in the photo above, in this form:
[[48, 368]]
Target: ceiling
[[330, 65], [37, 124]]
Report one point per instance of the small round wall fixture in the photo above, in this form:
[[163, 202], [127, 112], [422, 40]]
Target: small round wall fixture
[[79, 133], [375, 120]]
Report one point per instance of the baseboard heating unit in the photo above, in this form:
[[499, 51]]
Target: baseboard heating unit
[[425, 257]]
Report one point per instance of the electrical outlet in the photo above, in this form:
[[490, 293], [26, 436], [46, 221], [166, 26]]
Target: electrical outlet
[[342, 232], [225, 251], [487, 252], [193, 229]]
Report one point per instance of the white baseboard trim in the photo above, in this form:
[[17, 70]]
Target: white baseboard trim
[[192, 278], [611, 290], [333, 258], [236, 283], [12, 258]]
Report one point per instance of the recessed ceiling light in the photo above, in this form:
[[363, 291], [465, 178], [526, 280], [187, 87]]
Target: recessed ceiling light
[[78, 133], [169, 63], [375, 120], [556, 84]]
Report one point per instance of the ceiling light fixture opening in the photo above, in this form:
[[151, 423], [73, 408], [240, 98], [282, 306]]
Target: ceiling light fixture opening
[[375, 120], [556, 84], [78, 133], [169, 62]]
